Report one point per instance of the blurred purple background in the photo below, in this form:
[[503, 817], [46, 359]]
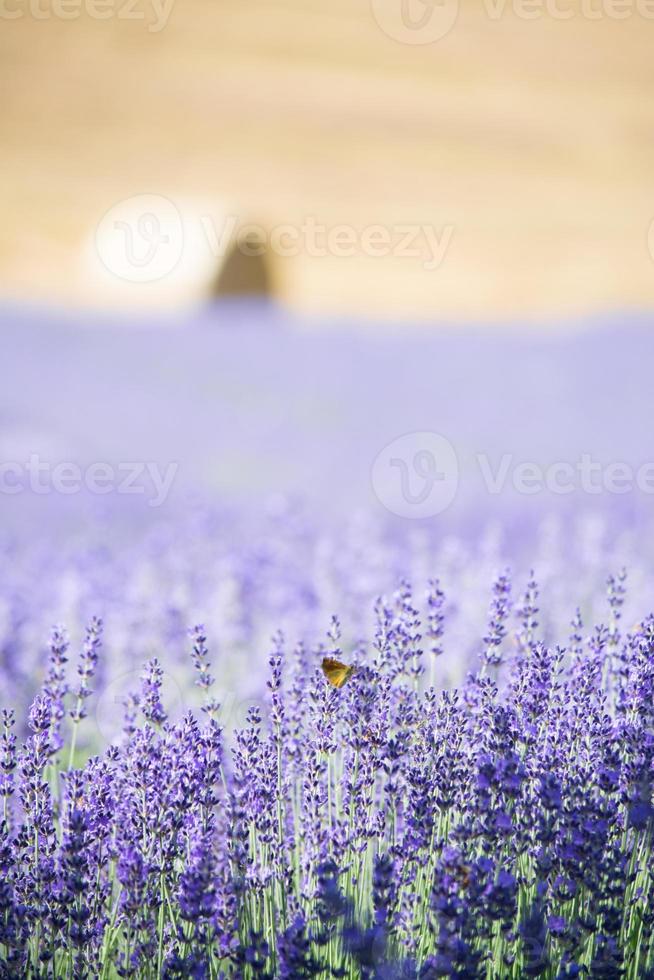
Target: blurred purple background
[[249, 402]]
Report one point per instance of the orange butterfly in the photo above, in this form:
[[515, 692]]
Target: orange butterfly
[[337, 674], [463, 875]]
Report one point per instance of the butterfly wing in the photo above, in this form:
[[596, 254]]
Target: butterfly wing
[[335, 672]]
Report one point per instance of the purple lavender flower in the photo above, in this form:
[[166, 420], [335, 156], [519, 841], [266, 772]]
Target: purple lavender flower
[[150, 699], [499, 612], [296, 959], [55, 686], [200, 657], [88, 663], [8, 764], [197, 890]]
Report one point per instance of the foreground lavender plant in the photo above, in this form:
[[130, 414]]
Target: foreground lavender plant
[[387, 829]]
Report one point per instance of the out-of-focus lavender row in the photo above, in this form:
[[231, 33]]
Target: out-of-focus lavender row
[[245, 579]]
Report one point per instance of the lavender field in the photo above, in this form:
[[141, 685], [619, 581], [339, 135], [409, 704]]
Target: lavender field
[[184, 792]]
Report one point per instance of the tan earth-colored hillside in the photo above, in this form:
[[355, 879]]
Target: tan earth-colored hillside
[[525, 146]]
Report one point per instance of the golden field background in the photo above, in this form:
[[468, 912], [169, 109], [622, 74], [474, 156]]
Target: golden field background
[[532, 139]]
